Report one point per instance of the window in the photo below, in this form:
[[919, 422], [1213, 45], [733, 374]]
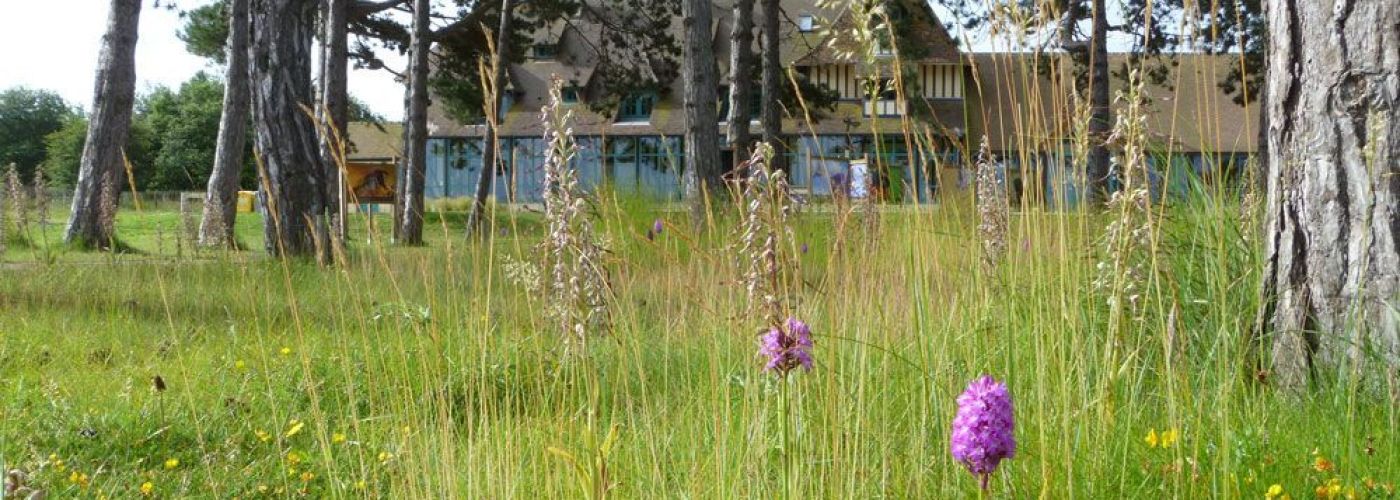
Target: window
[[637, 107], [884, 48], [569, 94], [805, 23], [546, 50]]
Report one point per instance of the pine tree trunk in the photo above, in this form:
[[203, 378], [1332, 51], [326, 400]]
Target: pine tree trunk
[[335, 108], [702, 164], [741, 79], [410, 212], [284, 133], [1100, 107], [1333, 220], [490, 147], [772, 118], [94, 198], [216, 227]]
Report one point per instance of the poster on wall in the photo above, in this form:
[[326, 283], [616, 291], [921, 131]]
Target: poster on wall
[[372, 182]]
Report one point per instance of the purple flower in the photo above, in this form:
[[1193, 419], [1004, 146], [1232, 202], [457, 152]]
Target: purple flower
[[787, 347], [804, 248], [658, 226], [983, 430]]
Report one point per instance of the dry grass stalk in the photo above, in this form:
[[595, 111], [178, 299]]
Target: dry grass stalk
[[993, 212]]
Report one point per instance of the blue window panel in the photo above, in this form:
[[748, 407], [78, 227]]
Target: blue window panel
[[435, 172], [1065, 187], [464, 168], [660, 162], [621, 163], [636, 107], [528, 170], [588, 162]]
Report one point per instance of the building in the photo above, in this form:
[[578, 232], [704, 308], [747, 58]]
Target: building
[[915, 112]]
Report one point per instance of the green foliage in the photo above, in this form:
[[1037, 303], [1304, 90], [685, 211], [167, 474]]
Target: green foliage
[[65, 151], [205, 32], [186, 128], [27, 116]]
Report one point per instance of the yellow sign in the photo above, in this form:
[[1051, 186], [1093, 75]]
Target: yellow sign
[[372, 182]]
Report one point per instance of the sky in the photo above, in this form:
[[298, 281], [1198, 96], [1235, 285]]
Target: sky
[[53, 45]]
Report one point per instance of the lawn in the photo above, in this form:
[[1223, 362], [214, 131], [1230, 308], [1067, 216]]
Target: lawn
[[431, 372]]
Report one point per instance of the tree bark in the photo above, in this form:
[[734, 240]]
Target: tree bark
[[334, 110], [216, 227], [702, 164], [490, 147], [1334, 191], [772, 118], [741, 79], [1100, 107], [410, 211], [90, 223], [284, 133]]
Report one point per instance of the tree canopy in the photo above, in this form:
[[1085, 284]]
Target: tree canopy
[[27, 117]]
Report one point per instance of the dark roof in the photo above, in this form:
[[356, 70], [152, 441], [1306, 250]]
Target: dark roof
[[1022, 106]]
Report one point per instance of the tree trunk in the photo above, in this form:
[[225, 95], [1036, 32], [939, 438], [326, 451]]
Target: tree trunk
[[702, 165], [772, 80], [741, 79], [490, 143], [335, 108], [1334, 193], [410, 211], [284, 133], [216, 227], [94, 199], [1100, 107]]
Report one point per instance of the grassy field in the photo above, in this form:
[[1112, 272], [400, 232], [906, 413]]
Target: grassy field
[[428, 373]]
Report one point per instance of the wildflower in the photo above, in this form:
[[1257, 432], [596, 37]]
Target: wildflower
[[338, 438], [286, 351], [385, 457], [294, 427], [307, 476], [1152, 440], [1169, 437], [804, 248], [262, 488], [360, 485], [57, 463], [79, 479], [293, 458], [1274, 491], [1331, 489], [983, 430], [788, 347], [147, 488], [1322, 464], [172, 463], [240, 365], [262, 435]]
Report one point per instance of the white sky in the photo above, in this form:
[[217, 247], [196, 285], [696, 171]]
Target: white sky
[[53, 44]]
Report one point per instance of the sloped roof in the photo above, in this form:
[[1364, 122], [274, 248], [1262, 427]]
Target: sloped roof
[[1021, 106], [374, 141]]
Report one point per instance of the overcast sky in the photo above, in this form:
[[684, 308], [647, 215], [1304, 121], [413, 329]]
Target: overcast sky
[[53, 44]]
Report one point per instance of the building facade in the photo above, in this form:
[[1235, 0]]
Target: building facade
[[916, 109]]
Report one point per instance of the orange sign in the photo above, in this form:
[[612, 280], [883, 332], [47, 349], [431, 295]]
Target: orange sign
[[372, 182]]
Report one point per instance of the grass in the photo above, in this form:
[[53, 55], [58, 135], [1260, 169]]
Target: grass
[[425, 372]]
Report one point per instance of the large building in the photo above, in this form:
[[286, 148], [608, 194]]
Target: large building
[[915, 114]]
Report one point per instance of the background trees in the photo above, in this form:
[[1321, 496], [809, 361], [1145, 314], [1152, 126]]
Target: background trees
[[27, 117]]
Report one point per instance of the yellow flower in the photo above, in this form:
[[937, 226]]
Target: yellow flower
[[1274, 491], [79, 479], [240, 365], [1322, 464], [338, 438], [1152, 440], [293, 457], [172, 463], [1331, 489], [262, 488], [360, 485], [286, 351], [307, 476], [296, 426], [1169, 437], [385, 456], [147, 488], [262, 435]]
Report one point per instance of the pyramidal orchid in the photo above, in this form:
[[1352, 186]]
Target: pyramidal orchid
[[983, 430], [788, 346]]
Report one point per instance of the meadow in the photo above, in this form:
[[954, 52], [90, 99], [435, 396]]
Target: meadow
[[431, 372]]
